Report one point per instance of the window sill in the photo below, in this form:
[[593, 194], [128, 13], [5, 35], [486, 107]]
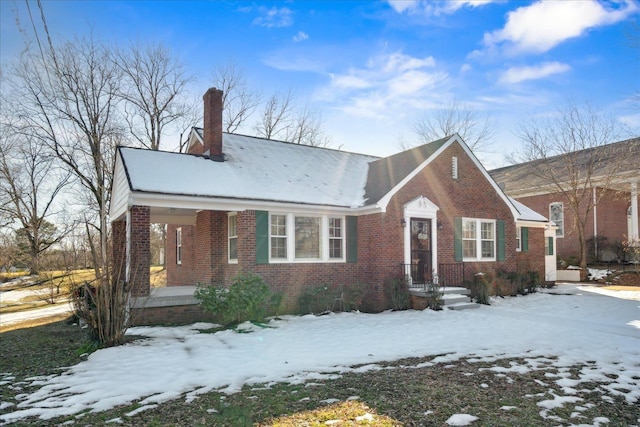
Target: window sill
[[307, 261]]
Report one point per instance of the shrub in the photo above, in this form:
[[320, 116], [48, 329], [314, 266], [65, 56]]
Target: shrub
[[434, 297], [532, 281], [398, 294], [480, 288], [507, 283], [248, 298], [353, 296], [316, 300]]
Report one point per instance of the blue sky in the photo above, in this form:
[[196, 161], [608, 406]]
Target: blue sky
[[372, 68]]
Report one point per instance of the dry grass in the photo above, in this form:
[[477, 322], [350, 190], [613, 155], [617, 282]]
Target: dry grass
[[407, 392], [349, 413]]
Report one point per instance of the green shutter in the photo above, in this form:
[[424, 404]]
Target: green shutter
[[262, 237], [352, 239], [501, 245], [550, 245], [457, 238], [524, 242]]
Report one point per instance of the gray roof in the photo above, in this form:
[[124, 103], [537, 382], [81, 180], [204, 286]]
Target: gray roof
[[621, 159], [260, 170], [384, 174], [254, 169]]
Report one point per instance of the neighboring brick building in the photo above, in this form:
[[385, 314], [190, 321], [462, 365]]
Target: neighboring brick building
[[302, 216], [606, 178]]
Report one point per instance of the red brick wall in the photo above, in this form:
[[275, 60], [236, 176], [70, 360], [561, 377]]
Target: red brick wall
[[290, 278], [204, 250], [533, 259], [471, 195], [611, 220], [173, 315], [140, 250], [380, 239]]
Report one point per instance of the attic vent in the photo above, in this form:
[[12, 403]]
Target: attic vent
[[454, 167]]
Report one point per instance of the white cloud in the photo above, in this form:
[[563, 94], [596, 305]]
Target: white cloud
[[274, 17], [349, 81], [520, 74], [434, 8], [402, 5], [387, 82], [543, 25], [300, 36]]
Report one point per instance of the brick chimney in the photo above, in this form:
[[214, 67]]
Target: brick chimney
[[213, 123]]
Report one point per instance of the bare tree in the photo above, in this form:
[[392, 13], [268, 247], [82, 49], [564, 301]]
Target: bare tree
[[276, 116], [239, 100], [30, 182], [66, 98], [460, 118], [306, 128], [154, 90], [568, 153]]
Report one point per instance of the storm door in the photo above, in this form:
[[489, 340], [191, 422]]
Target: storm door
[[421, 268]]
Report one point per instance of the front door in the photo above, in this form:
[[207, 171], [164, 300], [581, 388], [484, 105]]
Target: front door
[[421, 268]]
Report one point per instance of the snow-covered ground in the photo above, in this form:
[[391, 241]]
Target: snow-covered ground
[[21, 316], [573, 326]]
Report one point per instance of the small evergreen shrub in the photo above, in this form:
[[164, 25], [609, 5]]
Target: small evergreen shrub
[[398, 294], [248, 298]]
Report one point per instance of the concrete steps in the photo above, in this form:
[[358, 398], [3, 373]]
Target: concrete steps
[[462, 305], [454, 298]]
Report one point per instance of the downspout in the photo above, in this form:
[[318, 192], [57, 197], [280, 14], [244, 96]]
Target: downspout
[[595, 225]]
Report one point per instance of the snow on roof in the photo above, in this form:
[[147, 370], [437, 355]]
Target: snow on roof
[[526, 213], [254, 169]]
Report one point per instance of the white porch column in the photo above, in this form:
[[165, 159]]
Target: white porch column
[[634, 211]]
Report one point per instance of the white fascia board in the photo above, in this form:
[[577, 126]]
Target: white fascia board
[[120, 187], [225, 204], [534, 224], [384, 201], [193, 138]]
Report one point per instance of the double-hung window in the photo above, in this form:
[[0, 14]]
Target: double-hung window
[[478, 239], [279, 237], [306, 238], [233, 238], [556, 214], [336, 238]]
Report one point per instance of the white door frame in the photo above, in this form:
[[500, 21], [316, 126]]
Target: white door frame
[[550, 261], [421, 208]]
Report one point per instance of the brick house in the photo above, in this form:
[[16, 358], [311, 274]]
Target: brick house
[[611, 197], [302, 216]]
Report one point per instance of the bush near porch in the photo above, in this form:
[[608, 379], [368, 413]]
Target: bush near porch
[[502, 283]]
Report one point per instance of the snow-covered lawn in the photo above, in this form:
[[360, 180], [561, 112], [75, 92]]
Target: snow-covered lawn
[[574, 326], [21, 316]]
